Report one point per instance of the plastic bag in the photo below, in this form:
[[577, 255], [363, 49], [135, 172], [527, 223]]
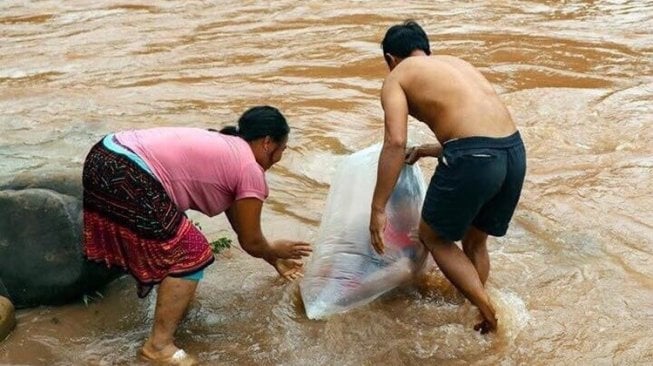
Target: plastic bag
[[345, 271]]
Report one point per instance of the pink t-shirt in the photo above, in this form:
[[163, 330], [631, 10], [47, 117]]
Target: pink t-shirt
[[200, 170]]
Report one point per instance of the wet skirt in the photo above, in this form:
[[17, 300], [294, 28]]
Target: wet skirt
[[131, 222]]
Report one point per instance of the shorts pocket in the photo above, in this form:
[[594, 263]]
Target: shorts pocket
[[457, 159], [478, 154]]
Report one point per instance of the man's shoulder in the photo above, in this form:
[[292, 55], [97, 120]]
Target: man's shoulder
[[406, 67], [417, 64]]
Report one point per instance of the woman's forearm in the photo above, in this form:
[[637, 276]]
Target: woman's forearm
[[258, 248]]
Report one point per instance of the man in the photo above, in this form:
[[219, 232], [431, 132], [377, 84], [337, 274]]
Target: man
[[481, 159]]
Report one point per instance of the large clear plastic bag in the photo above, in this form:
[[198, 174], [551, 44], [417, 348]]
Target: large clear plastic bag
[[345, 271]]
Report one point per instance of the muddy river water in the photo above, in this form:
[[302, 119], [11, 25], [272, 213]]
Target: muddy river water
[[572, 280]]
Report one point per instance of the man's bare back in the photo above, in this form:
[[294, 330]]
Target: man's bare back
[[451, 97]]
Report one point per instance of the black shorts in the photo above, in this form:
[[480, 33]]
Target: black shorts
[[477, 182]]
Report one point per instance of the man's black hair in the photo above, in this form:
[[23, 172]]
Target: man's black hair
[[402, 39]]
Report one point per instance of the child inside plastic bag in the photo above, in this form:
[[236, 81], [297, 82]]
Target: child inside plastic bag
[[345, 271]]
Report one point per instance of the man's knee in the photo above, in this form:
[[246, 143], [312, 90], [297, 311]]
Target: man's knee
[[474, 238]]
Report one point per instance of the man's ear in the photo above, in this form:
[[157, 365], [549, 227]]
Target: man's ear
[[391, 60], [388, 59]]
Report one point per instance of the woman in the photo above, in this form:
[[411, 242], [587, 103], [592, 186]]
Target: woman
[[137, 185]]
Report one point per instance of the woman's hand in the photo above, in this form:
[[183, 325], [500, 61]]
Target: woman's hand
[[290, 269], [288, 249]]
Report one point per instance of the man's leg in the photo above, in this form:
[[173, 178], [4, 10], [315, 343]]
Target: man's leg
[[475, 248], [458, 269], [172, 300]]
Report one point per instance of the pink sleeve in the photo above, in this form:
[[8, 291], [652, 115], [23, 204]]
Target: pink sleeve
[[252, 183]]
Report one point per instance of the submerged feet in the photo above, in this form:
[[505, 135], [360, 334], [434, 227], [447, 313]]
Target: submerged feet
[[486, 326], [489, 322]]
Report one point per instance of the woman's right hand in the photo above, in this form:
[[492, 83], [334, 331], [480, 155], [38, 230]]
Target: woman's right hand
[[288, 249], [290, 269]]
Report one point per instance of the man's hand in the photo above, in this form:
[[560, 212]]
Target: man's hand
[[288, 249], [290, 269], [377, 227], [413, 154]]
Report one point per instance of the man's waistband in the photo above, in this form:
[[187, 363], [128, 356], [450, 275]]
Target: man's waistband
[[484, 142]]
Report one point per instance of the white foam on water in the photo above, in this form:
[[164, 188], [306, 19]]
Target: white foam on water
[[511, 311]]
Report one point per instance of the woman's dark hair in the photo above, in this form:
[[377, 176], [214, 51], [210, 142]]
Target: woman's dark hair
[[259, 122], [402, 39]]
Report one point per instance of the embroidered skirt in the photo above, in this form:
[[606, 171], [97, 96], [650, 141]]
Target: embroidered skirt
[[131, 222]]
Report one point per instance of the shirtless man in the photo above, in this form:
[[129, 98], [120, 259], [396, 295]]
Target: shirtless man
[[481, 159]]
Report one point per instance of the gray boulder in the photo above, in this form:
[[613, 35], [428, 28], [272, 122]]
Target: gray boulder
[[67, 182], [41, 254], [7, 318]]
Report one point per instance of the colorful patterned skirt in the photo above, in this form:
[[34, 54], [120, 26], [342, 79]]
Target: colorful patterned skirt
[[131, 222]]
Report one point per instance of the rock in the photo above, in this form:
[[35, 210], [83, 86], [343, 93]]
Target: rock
[[7, 318], [41, 255], [68, 182]]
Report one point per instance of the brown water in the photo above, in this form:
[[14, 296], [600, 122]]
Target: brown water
[[572, 280]]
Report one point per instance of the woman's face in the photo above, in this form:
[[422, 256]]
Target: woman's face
[[268, 152], [277, 150]]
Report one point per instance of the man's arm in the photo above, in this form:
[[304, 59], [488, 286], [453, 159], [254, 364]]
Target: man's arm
[[417, 152], [432, 150], [391, 160], [395, 109]]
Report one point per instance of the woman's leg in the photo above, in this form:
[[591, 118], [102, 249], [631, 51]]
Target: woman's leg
[[172, 300]]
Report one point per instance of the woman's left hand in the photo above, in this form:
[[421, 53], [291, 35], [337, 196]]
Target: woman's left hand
[[290, 269]]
